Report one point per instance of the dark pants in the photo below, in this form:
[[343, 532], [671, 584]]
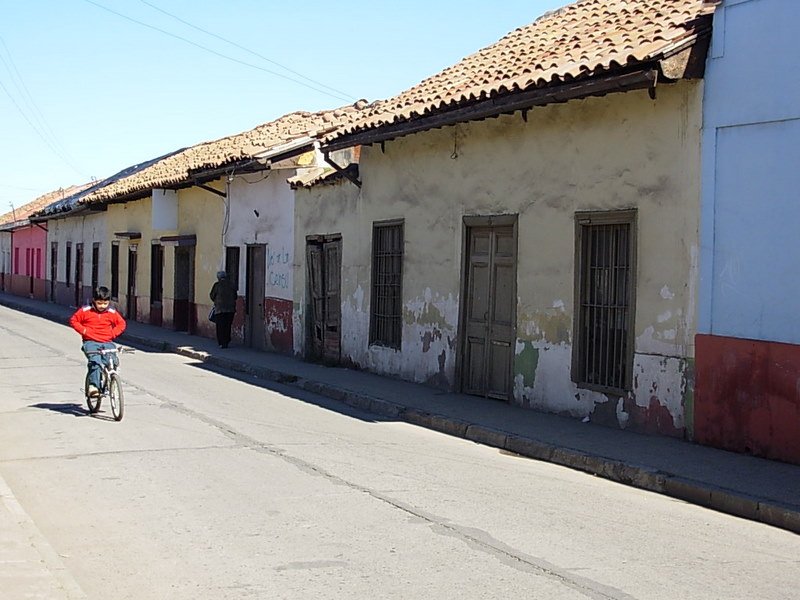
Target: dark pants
[[223, 321], [96, 361]]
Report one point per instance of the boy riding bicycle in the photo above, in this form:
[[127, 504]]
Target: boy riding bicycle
[[98, 325]]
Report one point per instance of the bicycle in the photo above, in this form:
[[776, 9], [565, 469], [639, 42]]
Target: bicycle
[[110, 383]]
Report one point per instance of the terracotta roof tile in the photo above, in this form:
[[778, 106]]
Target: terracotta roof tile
[[177, 168], [586, 38], [24, 212]]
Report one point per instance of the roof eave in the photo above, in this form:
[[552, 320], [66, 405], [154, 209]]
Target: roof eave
[[643, 77]]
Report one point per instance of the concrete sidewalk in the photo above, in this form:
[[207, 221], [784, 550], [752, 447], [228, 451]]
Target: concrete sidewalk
[[753, 488]]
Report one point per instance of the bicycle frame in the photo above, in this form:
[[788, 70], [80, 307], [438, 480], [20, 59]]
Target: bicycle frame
[[110, 384]]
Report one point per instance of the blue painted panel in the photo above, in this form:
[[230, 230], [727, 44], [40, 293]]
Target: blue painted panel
[[756, 267]]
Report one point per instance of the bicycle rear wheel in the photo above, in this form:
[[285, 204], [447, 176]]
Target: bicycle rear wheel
[[92, 402], [116, 397]]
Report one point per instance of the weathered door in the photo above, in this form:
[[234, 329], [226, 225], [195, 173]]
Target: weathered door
[[324, 272], [183, 317], [255, 330], [490, 301], [131, 287]]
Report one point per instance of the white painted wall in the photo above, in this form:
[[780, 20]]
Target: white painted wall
[[261, 211], [87, 229], [751, 179], [617, 152]]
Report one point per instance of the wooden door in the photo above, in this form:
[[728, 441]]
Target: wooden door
[[324, 272], [490, 301], [255, 330]]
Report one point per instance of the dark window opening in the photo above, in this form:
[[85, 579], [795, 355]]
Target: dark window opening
[[69, 264], [95, 265], [232, 264], [156, 273], [115, 271], [53, 269], [385, 323]]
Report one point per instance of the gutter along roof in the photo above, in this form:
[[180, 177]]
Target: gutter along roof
[[591, 47], [251, 150]]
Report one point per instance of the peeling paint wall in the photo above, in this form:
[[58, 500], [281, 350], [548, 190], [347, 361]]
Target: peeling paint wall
[[617, 152], [261, 211]]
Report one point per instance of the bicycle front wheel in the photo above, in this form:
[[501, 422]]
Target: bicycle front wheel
[[92, 402], [115, 396]]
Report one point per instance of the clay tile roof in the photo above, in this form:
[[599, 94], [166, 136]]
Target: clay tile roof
[[589, 37], [24, 212], [177, 169]]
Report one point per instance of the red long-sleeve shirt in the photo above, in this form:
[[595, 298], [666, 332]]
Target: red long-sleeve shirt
[[97, 326]]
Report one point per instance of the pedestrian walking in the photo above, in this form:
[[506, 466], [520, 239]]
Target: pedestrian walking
[[224, 295]]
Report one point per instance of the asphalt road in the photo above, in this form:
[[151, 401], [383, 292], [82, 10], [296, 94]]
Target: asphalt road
[[216, 486]]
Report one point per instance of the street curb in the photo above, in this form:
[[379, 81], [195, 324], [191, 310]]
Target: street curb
[[695, 492], [638, 476]]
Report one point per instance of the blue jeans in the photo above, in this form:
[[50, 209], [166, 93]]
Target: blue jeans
[[96, 361]]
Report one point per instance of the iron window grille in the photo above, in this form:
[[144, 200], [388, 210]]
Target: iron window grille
[[385, 322], [604, 292]]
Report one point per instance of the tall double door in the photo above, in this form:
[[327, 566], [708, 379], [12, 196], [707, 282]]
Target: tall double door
[[489, 306]]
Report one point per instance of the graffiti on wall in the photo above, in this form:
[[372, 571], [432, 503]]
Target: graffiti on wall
[[278, 268]]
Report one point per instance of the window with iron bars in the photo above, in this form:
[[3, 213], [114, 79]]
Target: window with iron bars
[[386, 305], [604, 293]]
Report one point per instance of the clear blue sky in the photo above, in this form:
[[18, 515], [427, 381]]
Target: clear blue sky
[[85, 92]]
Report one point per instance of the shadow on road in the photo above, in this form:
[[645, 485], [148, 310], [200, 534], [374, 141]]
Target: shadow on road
[[76, 410]]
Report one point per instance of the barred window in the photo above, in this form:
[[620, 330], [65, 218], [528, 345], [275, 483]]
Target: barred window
[[385, 323], [605, 259]]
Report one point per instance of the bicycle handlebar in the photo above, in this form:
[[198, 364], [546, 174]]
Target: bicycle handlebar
[[117, 350]]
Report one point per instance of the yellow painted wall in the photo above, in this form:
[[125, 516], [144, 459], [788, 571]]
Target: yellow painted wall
[[615, 152], [200, 213], [133, 217]]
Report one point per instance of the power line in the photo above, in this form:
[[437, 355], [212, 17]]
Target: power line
[[41, 127], [236, 60], [36, 129], [256, 54]]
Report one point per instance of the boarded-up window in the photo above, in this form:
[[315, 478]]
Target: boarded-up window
[[605, 267], [385, 324]]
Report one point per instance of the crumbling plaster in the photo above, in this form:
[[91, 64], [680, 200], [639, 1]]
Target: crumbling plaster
[[621, 151]]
